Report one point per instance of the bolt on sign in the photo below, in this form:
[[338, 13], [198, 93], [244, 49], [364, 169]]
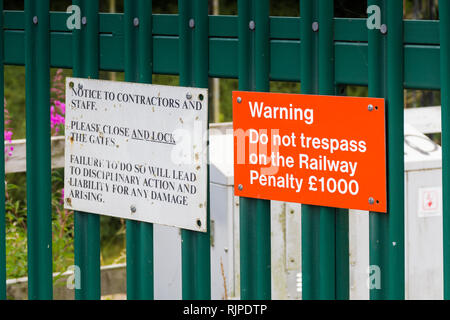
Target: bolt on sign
[[318, 150], [136, 151]]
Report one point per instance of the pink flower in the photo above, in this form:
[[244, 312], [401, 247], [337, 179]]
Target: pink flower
[[61, 201], [57, 116]]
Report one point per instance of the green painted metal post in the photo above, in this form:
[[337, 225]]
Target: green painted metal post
[[2, 170], [246, 82], [325, 259], [444, 16], [194, 47], [396, 175], [254, 69], [310, 214], [327, 229], [87, 226], [342, 255], [39, 215], [188, 240], [342, 243], [139, 68], [386, 79], [132, 227], [378, 222]]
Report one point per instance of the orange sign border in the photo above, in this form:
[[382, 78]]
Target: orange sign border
[[359, 119]]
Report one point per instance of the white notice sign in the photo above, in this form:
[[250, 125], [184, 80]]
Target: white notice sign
[[137, 151]]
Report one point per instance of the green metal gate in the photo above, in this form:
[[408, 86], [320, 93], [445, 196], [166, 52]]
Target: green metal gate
[[317, 49]]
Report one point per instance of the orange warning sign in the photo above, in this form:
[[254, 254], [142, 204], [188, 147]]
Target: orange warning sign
[[319, 150]]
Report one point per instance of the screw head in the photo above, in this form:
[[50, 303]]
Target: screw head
[[35, 20], [133, 209], [191, 23], [84, 20], [383, 29], [240, 187], [251, 25], [371, 200], [189, 96], [315, 26], [239, 100], [370, 107], [136, 21]]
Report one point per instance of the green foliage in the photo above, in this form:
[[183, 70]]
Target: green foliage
[[284, 87], [15, 97], [357, 91], [16, 236], [112, 240], [16, 222], [62, 226], [226, 87], [112, 229]]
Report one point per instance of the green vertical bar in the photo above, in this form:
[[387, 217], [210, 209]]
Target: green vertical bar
[[245, 46], [188, 250], [342, 255], [131, 74], [201, 70], [342, 243], [138, 68], [87, 226], [326, 47], [2, 170], [325, 259], [246, 206], [386, 79], [378, 225], [39, 217], [444, 16], [310, 214], [396, 175], [327, 229], [254, 69], [262, 76], [132, 247], [194, 57]]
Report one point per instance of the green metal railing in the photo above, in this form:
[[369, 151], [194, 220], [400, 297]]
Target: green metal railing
[[322, 52], [253, 75], [87, 226], [193, 42], [444, 12], [386, 80], [138, 68], [37, 92]]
